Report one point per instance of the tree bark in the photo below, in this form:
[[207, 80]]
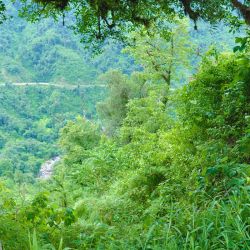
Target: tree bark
[[244, 10]]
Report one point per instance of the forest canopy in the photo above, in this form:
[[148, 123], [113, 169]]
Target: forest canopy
[[99, 19]]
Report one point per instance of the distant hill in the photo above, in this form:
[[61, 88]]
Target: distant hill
[[50, 52]]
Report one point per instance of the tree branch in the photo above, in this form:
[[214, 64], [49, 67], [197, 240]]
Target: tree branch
[[194, 15], [244, 10]]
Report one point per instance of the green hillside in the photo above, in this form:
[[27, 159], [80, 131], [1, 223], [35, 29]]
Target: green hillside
[[50, 52], [133, 133], [30, 120]]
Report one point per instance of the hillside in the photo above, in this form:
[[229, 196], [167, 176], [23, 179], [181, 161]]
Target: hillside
[[30, 120], [50, 52], [132, 133]]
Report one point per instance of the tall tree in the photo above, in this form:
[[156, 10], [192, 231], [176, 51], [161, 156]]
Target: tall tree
[[164, 57], [113, 110]]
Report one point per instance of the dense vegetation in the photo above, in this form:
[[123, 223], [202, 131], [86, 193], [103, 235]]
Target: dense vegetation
[[98, 20], [161, 162], [30, 120], [175, 175]]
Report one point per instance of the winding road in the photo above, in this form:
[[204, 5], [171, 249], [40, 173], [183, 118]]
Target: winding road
[[66, 86]]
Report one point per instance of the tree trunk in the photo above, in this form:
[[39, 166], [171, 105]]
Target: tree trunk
[[244, 10], [1, 246]]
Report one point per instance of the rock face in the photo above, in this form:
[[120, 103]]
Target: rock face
[[47, 168]]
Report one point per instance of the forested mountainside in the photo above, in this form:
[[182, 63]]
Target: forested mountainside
[[149, 141], [30, 120], [50, 52]]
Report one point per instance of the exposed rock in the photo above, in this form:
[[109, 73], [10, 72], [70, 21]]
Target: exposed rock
[[47, 168]]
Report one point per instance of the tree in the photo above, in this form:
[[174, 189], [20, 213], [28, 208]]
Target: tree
[[99, 19], [113, 110], [165, 58]]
